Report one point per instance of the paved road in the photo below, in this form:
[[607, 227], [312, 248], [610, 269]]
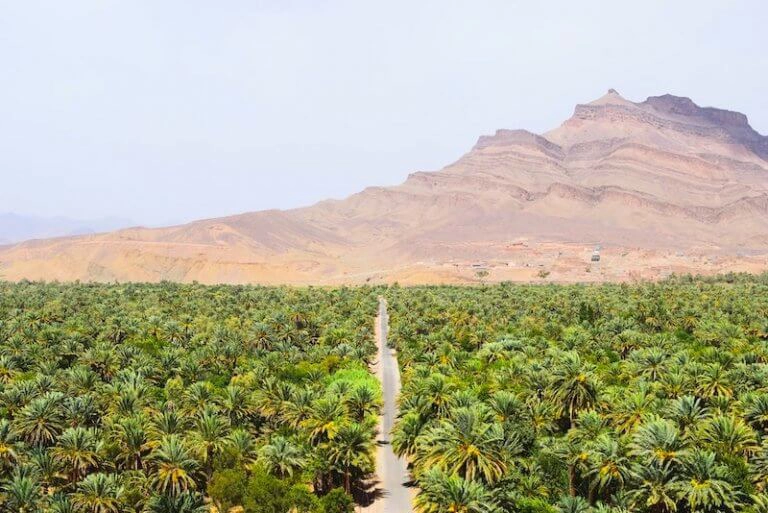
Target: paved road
[[391, 471]]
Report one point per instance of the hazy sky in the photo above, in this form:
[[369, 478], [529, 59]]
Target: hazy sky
[[166, 110]]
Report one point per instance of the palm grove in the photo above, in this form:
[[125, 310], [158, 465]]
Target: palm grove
[[186, 398], [612, 398], [183, 398]]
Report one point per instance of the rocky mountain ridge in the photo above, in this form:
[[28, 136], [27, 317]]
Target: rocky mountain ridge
[[648, 181]]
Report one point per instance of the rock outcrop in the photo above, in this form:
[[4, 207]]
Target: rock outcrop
[[649, 181]]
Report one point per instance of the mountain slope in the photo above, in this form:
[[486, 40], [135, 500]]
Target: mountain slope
[[16, 227], [663, 185]]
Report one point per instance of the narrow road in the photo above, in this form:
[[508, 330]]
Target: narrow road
[[391, 471]]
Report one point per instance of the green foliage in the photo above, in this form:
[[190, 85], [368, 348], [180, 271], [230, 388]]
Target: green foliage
[[644, 397], [227, 488], [336, 501], [148, 398]]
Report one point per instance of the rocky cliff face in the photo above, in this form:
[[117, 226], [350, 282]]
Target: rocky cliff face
[[659, 177]]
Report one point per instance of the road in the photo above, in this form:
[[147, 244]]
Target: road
[[391, 471]]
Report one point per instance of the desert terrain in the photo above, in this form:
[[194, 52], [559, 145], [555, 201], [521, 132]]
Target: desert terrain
[[655, 187]]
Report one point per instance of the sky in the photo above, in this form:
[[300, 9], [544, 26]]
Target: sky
[[163, 111]]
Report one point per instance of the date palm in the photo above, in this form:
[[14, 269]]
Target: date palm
[[469, 444], [608, 466], [22, 491], [48, 469], [437, 390], [9, 445], [573, 504], [208, 437], [704, 486], [361, 402], [351, 450], [327, 416], [41, 421], [729, 436], [186, 502], [99, 493], [197, 397], [61, 503], [282, 457], [299, 408], [575, 386], [756, 410], [169, 422], [715, 382], [242, 445], [658, 442], [654, 487], [174, 467], [405, 435], [443, 493], [236, 405], [132, 441], [78, 451], [632, 409], [688, 412]]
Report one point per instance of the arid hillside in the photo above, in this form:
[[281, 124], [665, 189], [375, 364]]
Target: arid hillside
[[651, 188]]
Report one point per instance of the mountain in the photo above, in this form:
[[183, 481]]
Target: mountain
[[653, 187], [16, 227]]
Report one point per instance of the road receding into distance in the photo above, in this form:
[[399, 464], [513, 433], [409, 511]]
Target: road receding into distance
[[393, 496]]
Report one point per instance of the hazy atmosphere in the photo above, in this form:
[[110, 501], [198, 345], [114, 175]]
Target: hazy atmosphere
[[163, 112], [383, 257]]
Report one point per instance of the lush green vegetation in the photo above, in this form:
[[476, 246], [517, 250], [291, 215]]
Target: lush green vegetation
[[173, 398], [642, 398], [184, 398]]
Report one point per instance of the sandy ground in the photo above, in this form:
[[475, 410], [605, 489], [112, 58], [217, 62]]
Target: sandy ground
[[391, 471]]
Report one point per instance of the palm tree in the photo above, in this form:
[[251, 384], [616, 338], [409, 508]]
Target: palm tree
[[185, 502], [442, 493], [632, 409], [78, 450], [756, 410], [573, 504], [729, 436], [47, 468], [362, 401], [9, 445], [41, 421], [470, 443], [437, 391], [654, 487], [168, 422], [575, 386], [99, 493], [299, 408], [658, 442], [23, 491], [236, 405], [208, 438], [688, 412], [608, 465], [714, 382], [406, 433], [197, 397], [704, 485], [351, 449], [132, 441], [327, 417], [61, 503], [575, 456], [175, 468], [242, 445], [282, 457]]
